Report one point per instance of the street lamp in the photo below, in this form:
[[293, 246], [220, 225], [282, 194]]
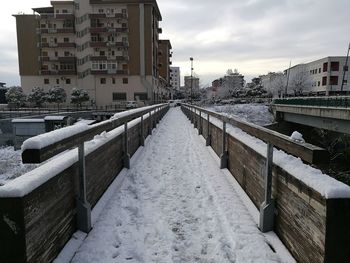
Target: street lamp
[[191, 58]]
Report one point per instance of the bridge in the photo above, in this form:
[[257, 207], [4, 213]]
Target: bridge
[[164, 188], [330, 113]]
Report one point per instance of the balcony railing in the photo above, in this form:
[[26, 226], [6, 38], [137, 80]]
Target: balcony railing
[[55, 30], [110, 72], [57, 16], [104, 15], [58, 72], [98, 44]]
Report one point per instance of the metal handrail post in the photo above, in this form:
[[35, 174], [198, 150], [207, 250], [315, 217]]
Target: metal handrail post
[[83, 206], [267, 208], [142, 136], [208, 139], [126, 147], [224, 154]]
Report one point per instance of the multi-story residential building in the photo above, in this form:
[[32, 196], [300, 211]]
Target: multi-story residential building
[[175, 78], [192, 86], [165, 91], [107, 47], [321, 77]]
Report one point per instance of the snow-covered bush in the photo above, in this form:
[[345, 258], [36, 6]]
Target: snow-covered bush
[[15, 96], [79, 96], [37, 96], [57, 95]]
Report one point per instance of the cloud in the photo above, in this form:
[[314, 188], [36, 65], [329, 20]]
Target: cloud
[[254, 36]]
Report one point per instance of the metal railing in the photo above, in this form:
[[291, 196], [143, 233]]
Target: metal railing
[[337, 102]]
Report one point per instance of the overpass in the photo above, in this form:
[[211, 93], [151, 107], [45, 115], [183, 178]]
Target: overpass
[[176, 192], [330, 113]]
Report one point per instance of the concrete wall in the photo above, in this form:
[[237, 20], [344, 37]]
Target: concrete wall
[[304, 219]]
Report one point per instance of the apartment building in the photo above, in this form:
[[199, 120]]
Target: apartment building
[[175, 78], [165, 91], [321, 77], [192, 85], [108, 47]]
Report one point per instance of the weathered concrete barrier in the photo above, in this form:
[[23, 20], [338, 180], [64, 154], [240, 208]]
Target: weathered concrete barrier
[[38, 210], [312, 215]]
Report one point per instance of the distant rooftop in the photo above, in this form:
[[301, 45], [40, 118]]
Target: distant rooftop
[[2, 84]]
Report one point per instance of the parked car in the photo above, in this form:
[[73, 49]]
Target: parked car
[[131, 104]]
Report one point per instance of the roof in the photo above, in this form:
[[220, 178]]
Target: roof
[[44, 10], [27, 120], [153, 2], [166, 41], [55, 118], [61, 2]]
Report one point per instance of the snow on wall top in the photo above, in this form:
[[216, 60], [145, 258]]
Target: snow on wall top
[[28, 120], [26, 183], [45, 139], [327, 186]]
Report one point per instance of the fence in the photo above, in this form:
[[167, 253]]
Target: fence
[[39, 211], [311, 213], [337, 102]]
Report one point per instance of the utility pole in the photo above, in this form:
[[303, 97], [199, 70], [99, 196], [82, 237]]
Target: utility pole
[[288, 74], [346, 68], [191, 58]]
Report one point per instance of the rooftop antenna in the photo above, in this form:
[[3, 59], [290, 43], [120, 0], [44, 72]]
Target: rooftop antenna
[[346, 68]]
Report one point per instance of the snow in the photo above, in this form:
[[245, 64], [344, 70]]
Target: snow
[[327, 186], [11, 165], [133, 111], [55, 118], [28, 120], [175, 205], [297, 137], [255, 113], [26, 183], [45, 139]]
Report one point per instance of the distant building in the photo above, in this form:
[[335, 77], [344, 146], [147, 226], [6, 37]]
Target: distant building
[[175, 78], [192, 85], [229, 85], [321, 77], [3, 91], [274, 83], [165, 91]]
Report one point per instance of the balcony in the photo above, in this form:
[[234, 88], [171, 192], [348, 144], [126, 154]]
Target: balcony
[[65, 16], [55, 30], [58, 72], [98, 58], [109, 72], [95, 30], [98, 44], [66, 44], [67, 59], [104, 15]]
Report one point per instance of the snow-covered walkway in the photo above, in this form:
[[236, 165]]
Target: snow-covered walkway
[[175, 205]]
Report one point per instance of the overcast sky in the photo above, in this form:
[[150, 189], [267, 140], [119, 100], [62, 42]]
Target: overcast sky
[[253, 36]]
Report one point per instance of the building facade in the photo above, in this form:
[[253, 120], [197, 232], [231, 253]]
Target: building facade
[[191, 86], [108, 47], [175, 78], [320, 77], [165, 91]]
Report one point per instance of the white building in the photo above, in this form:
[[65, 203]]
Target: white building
[[175, 78], [321, 77]]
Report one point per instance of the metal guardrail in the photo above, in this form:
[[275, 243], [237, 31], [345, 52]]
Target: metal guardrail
[[337, 102], [307, 152], [40, 155]]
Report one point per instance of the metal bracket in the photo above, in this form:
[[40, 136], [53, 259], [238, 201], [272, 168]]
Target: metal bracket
[[208, 139]]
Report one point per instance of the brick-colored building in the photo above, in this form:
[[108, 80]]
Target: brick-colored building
[[108, 47]]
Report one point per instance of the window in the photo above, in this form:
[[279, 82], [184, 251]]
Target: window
[[102, 53], [325, 67], [140, 96], [345, 82], [46, 81], [335, 66], [56, 54], [119, 96], [346, 68], [333, 80], [44, 40], [324, 81], [66, 40], [113, 80], [103, 81], [64, 11], [68, 81], [125, 80], [57, 81], [100, 10], [124, 11], [319, 70], [66, 53], [45, 54], [319, 83]]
